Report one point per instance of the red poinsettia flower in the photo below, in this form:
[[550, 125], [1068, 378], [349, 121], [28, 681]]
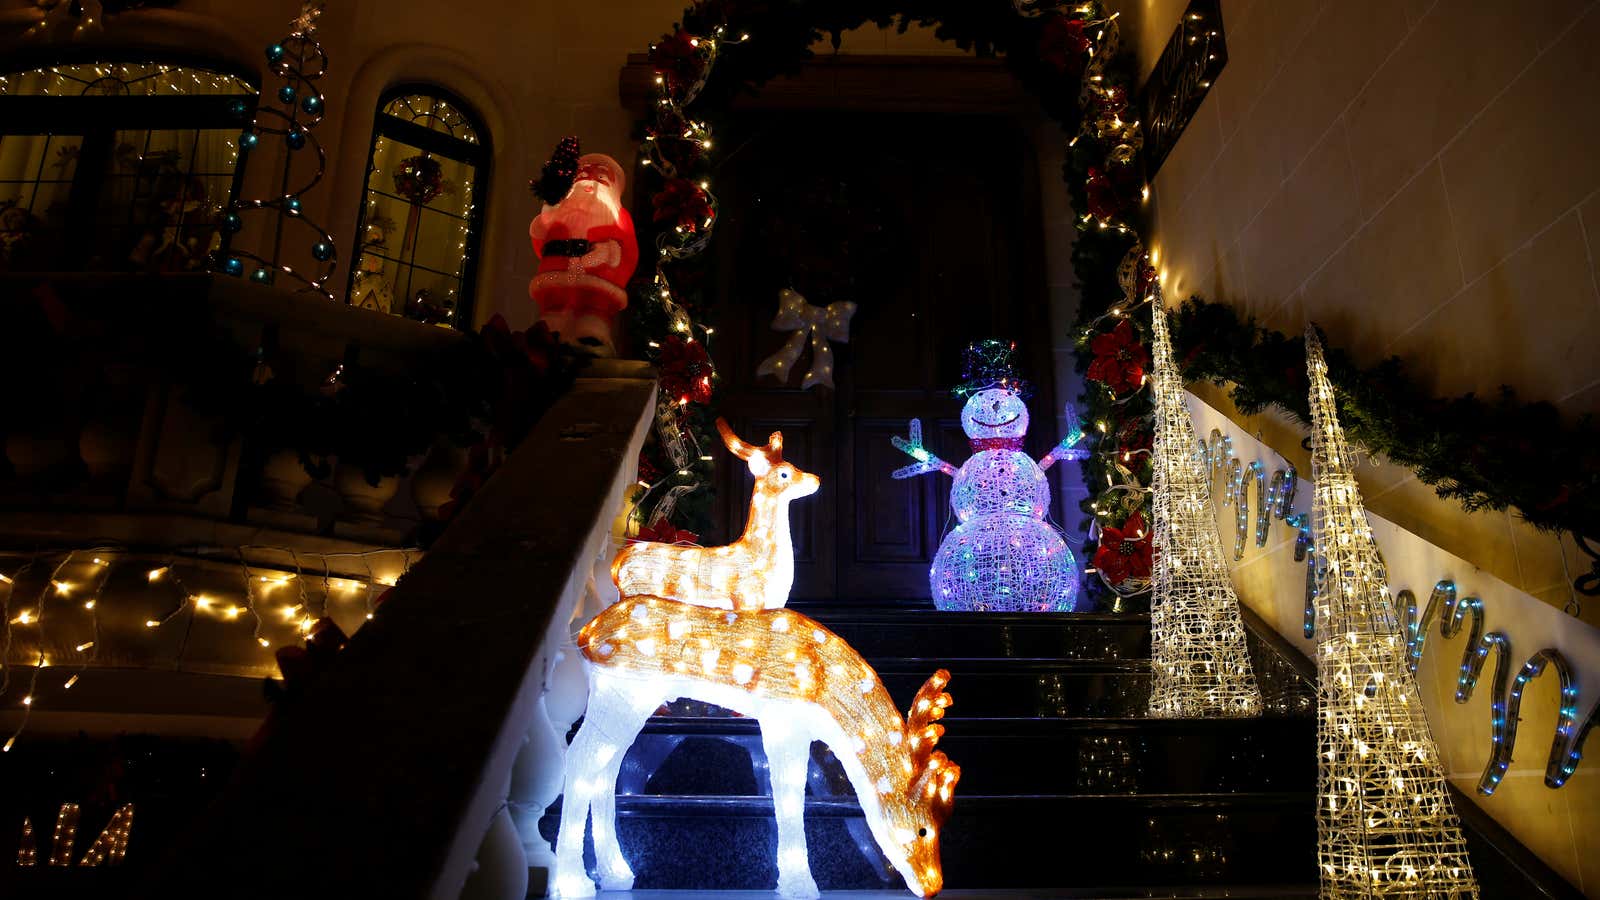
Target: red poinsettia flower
[[1101, 194], [663, 532], [685, 370], [677, 58], [1119, 358], [681, 202], [1133, 436], [1063, 45], [649, 472], [1124, 552]]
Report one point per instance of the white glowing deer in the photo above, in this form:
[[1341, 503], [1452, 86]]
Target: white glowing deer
[[754, 572], [803, 683]]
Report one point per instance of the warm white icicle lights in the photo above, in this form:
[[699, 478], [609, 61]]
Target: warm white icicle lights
[[1199, 663], [1385, 824]]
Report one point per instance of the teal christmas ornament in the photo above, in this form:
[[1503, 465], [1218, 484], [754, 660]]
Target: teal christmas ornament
[[311, 103], [231, 222], [292, 206], [237, 108], [248, 140], [286, 93], [295, 139], [234, 266], [275, 53], [322, 250], [261, 275]]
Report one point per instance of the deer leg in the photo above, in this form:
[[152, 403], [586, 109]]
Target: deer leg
[[615, 874], [788, 757], [569, 878]]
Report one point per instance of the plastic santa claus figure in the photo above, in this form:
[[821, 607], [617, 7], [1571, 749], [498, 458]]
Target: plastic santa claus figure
[[587, 253]]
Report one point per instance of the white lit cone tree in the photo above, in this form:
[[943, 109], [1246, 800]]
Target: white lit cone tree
[[1385, 824], [1199, 663]]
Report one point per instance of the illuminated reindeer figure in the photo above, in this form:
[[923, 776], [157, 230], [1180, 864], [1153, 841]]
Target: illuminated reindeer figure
[[803, 683], [754, 572]]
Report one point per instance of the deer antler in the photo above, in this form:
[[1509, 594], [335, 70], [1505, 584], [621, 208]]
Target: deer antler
[[922, 730], [773, 451], [933, 773]]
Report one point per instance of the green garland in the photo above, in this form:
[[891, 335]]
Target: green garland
[[1485, 453]]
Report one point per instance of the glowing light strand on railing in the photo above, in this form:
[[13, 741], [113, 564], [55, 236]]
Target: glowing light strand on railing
[[100, 557]]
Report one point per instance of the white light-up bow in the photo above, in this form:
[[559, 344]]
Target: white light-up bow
[[821, 324]]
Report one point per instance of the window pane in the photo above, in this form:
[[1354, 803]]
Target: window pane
[[432, 112], [162, 197], [415, 233], [35, 183]]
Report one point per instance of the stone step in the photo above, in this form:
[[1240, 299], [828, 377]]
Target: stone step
[[687, 755], [704, 842]]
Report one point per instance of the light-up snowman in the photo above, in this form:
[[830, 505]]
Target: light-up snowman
[[1002, 554]]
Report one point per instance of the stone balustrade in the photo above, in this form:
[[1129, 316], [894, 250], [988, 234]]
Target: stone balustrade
[[111, 446]]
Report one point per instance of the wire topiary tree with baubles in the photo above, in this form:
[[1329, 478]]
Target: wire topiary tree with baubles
[[300, 61]]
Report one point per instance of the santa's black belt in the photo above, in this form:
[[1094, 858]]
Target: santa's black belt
[[568, 247]]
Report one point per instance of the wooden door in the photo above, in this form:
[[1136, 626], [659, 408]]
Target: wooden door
[[929, 224]]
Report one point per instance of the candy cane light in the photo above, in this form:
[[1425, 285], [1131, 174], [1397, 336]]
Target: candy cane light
[[802, 683]]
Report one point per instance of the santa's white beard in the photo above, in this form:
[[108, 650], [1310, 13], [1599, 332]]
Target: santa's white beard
[[582, 210]]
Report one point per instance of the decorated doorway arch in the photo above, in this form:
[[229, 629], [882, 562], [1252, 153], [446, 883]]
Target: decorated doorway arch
[[1065, 57]]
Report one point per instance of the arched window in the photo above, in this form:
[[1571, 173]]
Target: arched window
[[417, 238], [117, 166]]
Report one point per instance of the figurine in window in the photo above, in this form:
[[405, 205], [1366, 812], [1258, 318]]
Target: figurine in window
[[587, 252]]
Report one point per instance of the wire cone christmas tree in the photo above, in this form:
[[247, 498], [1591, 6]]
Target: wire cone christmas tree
[[1199, 663], [1385, 824]]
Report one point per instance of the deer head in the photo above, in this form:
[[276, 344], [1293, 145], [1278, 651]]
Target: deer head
[[774, 477], [916, 815]]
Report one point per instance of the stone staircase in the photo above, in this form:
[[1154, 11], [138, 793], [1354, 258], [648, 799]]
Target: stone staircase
[[1066, 788]]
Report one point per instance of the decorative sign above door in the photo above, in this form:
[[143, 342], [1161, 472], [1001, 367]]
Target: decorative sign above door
[[1190, 63]]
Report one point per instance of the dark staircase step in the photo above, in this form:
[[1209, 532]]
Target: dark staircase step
[[875, 632], [991, 688], [686, 755], [705, 842]]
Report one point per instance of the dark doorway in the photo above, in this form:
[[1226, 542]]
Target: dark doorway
[[930, 224]]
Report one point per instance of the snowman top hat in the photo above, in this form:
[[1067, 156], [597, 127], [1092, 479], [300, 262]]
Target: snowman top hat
[[989, 364]]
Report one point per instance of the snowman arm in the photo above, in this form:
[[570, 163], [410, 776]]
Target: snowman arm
[[1068, 448], [925, 461]]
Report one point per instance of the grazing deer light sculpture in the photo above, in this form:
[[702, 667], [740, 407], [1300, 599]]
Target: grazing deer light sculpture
[[754, 572], [803, 683]]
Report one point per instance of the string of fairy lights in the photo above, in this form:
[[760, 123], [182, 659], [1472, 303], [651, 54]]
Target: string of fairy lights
[[80, 577]]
